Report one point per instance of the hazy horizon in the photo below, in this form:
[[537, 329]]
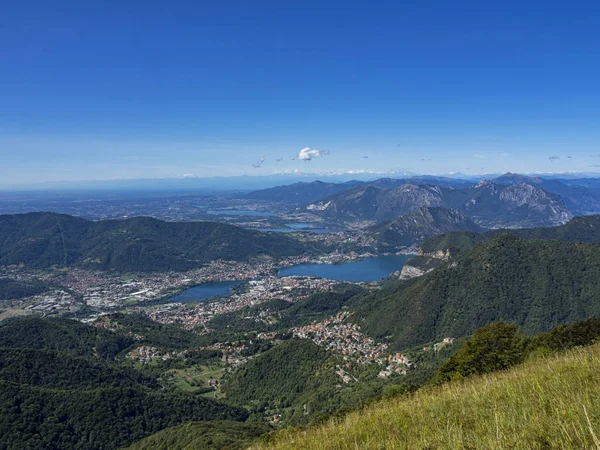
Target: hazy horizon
[[249, 182]]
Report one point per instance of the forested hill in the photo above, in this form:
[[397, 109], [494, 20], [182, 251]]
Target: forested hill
[[536, 283], [61, 387], [141, 244], [584, 229], [12, 289]]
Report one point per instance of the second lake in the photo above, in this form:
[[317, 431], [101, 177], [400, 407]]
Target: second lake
[[369, 269]]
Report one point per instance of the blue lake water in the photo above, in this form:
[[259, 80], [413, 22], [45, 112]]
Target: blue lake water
[[369, 269], [302, 227], [231, 212], [206, 290], [299, 230]]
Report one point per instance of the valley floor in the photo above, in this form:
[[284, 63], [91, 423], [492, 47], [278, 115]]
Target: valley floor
[[546, 403]]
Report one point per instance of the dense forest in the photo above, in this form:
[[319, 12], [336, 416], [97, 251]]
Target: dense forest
[[298, 380], [42, 417], [418, 225], [538, 284], [214, 435], [11, 289], [66, 385]]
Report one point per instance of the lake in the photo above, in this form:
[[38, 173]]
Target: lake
[[302, 228], [369, 269], [206, 290], [232, 212]]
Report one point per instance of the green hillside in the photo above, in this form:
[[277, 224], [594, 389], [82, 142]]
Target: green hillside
[[215, 435], [455, 241], [278, 377], [108, 418], [537, 284], [143, 244], [546, 403], [63, 335], [11, 289], [298, 380], [62, 370], [67, 385], [584, 229]]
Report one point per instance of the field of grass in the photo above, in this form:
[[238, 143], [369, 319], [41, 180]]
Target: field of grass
[[546, 403], [196, 378]]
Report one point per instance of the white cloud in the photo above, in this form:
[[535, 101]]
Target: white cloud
[[307, 153], [479, 156]]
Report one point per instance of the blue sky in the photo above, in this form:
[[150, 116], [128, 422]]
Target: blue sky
[[101, 90]]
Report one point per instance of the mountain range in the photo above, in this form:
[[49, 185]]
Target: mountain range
[[508, 201], [142, 244], [307, 192]]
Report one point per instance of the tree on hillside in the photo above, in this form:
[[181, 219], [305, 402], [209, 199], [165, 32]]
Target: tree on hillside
[[496, 346]]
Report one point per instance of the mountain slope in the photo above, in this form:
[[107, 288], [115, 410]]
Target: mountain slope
[[215, 435], [552, 402], [515, 206], [488, 204], [288, 376], [11, 289], [537, 284], [373, 203], [42, 240], [300, 193], [580, 200], [421, 224], [61, 387]]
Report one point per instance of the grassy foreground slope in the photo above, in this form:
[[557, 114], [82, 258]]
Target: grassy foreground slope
[[546, 403]]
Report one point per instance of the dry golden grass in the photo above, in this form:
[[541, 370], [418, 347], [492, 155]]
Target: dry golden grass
[[544, 404]]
